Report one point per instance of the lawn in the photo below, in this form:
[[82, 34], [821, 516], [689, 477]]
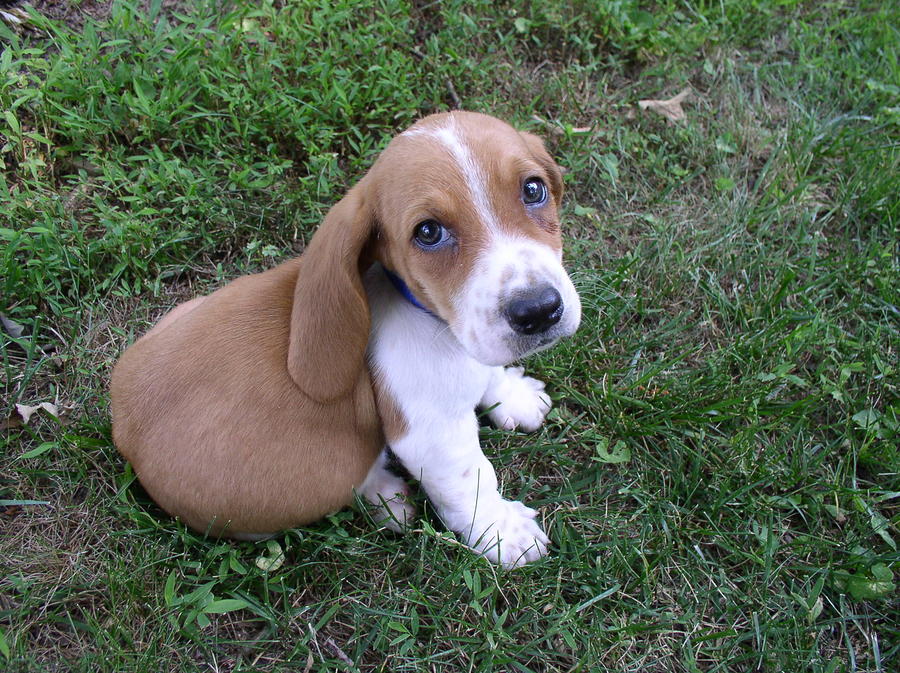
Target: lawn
[[720, 475]]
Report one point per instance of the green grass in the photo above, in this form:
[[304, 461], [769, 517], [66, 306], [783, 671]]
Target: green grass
[[720, 476]]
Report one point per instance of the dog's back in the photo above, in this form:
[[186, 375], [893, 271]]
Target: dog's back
[[218, 432]]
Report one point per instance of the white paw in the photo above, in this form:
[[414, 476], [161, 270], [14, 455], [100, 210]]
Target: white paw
[[389, 495], [394, 512], [507, 534], [523, 402]]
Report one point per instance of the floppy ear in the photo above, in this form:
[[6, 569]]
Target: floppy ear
[[536, 146], [330, 317]]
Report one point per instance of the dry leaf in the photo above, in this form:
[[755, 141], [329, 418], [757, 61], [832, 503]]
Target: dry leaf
[[16, 331], [14, 16], [670, 109], [12, 328], [65, 414], [274, 560], [338, 652], [25, 411], [10, 511]]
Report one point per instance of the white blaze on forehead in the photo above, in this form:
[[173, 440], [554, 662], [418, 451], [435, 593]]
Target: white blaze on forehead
[[473, 175]]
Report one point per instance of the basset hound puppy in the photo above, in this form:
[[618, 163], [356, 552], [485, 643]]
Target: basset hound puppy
[[266, 404]]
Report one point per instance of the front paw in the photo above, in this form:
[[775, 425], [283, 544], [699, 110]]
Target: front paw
[[508, 534], [522, 401]]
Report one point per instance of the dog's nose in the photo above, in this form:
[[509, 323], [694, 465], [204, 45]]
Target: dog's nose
[[536, 311]]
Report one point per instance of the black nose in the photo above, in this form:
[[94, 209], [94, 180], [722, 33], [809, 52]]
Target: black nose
[[536, 311]]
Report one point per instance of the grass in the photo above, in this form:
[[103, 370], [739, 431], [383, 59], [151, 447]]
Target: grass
[[720, 475]]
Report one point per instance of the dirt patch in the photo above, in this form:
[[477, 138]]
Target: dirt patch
[[74, 15]]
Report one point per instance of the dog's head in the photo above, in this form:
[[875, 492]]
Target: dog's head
[[463, 208]]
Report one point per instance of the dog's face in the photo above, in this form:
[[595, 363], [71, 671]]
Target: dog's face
[[466, 208]]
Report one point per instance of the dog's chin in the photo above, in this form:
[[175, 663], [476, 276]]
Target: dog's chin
[[508, 348], [523, 347]]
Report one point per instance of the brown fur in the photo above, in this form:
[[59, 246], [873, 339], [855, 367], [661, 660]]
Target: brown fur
[[393, 420], [251, 410], [217, 430], [421, 188]]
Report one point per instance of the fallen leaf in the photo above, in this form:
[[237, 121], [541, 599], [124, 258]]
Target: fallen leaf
[[12, 328], [273, 561], [25, 411], [670, 109], [61, 413], [338, 652], [10, 511], [619, 453], [14, 16], [65, 413]]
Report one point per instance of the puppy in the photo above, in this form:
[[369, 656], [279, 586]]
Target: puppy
[[264, 405]]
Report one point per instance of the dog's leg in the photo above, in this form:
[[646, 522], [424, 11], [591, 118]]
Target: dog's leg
[[460, 482], [522, 401], [435, 386], [388, 493]]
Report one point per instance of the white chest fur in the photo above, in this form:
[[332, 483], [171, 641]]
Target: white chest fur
[[419, 358], [436, 385]]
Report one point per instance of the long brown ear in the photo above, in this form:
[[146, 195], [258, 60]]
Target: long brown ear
[[330, 317], [536, 145]]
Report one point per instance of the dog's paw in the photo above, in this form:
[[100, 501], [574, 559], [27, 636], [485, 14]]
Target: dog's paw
[[395, 513], [389, 495], [522, 401], [508, 534]]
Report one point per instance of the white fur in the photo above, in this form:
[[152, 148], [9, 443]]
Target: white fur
[[475, 179], [436, 384], [388, 493], [450, 136], [438, 372], [515, 400], [508, 265], [480, 324]]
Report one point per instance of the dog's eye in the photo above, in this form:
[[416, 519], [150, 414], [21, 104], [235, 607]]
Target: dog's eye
[[534, 192], [429, 233]]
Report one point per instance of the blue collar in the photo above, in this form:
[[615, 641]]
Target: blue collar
[[404, 290]]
